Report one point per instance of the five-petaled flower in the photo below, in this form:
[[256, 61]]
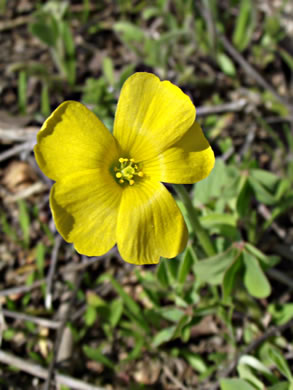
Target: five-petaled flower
[[109, 187]]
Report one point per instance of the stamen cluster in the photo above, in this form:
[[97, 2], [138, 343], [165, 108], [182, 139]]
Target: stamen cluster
[[127, 171]]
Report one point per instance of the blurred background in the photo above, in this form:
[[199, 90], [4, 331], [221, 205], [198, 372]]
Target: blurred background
[[194, 322]]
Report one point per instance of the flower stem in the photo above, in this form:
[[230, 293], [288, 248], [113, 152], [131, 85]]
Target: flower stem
[[200, 232]]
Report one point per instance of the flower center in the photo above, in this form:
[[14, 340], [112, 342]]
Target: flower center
[[128, 171]]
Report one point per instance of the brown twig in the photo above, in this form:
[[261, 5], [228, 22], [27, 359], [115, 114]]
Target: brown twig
[[10, 24], [18, 134], [35, 188], [60, 333], [21, 289], [51, 324], [40, 372], [267, 215], [51, 273], [65, 348], [173, 378], [221, 108], [250, 136], [88, 262], [25, 146]]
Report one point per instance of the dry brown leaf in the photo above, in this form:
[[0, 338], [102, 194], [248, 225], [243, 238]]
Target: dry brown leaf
[[18, 176], [147, 372]]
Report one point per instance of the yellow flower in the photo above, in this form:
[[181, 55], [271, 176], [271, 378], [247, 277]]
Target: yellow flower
[[108, 187]]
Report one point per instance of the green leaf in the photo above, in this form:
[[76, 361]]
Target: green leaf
[[129, 31], [30, 279], [162, 273], [125, 73], [212, 269], [281, 312], [163, 336], [137, 350], [287, 57], [283, 187], [172, 269], [230, 278], [256, 252], [130, 303], [254, 363], [116, 310], [171, 313], [68, 39], [70, 68], [269, 261], [31, 327], [255, 280], [226, 64], [6, 228], [185, 265], [195, 360], [244, 200], [150, 12], [45, 100], [108, 70], [179, 331], [44, 32], [245, 24], [280, 386], [22, 91], [278, 359], [40, 258], [261, 194], [90, 315], [94, 299], [233, 384], [245, 372], [35, 356], [95, 354], [212, 186], [171, 36], [63, 387], [266, 178], [216, 219], [8, 334]]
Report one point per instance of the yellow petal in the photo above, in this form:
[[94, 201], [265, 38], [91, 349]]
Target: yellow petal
[[150, 224], [188, 161], [151, 116], [73, 139], [85, 208]]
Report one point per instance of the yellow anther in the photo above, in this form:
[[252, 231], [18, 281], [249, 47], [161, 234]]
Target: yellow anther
[[128, 171]]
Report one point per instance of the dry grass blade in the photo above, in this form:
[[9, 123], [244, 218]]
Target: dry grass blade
[[40, 372], [51, 324]]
